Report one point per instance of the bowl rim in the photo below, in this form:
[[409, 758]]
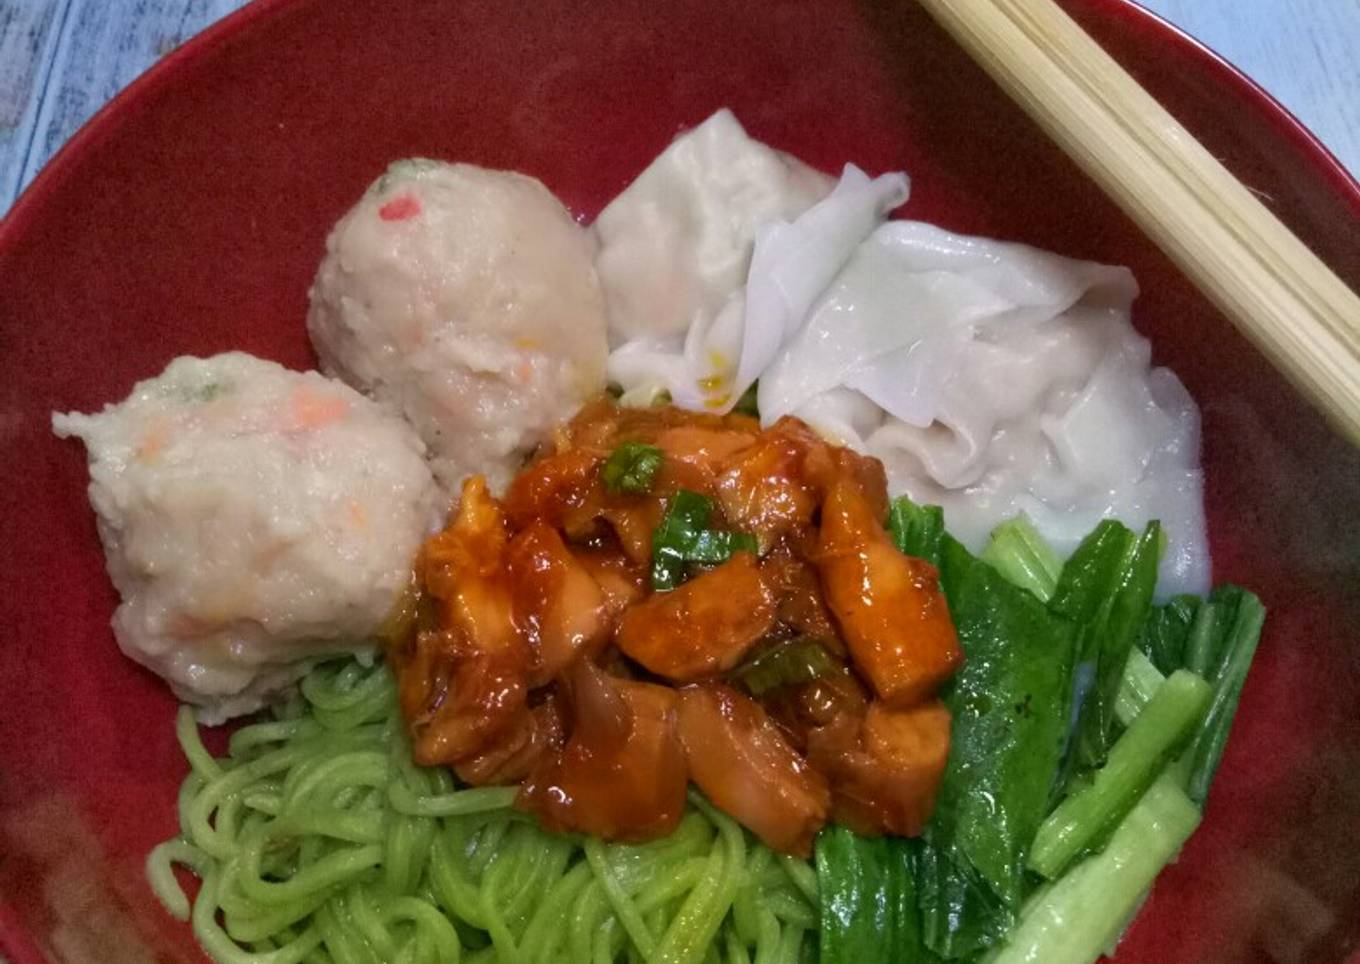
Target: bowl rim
[[64, 167], [1284, 120], [140, 94]]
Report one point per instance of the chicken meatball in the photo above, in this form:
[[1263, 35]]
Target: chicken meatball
[[466, 299], [255, 519]]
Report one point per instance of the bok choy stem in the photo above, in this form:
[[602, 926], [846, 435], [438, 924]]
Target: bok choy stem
[[1023, 556], [1083, 820], [1079, 917], [1136, 689]]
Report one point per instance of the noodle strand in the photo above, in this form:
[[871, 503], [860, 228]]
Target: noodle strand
[[317, 839]]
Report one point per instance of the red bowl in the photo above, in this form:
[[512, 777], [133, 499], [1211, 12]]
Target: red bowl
[[188, 217]]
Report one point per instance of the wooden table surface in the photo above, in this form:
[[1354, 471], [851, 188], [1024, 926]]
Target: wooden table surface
[[60, 60]]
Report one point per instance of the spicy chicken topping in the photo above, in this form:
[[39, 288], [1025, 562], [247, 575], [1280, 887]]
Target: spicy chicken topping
[[666, 597]]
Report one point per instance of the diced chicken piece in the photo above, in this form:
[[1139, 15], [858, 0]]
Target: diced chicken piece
[[763, 488], [564, 490], [833, 704], [510, 758], [696, 455], [692, 457], [460, 686], [798, 596], [702, 628], [622, 582], [558, 606], [889, 606], [885, 781], [593, 427], [621, 775], [831, 465], [633, 521], [742, 763], [456, 696], [603, 424]]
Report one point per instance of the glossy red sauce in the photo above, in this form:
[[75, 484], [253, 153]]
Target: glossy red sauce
[[553, 654]]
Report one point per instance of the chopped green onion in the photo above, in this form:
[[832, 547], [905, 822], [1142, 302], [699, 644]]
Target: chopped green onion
[[1207, 637], [1022, 555], [631, 468], [711, 547], [668, 570], [687, 514], [688, 511], [789, 663], [1084, 819], [683, 539]]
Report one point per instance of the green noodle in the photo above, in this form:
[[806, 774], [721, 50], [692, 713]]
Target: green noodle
[[317, 839]]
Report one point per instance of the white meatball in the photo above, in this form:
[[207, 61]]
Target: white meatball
[[255, 519], [467, 299]]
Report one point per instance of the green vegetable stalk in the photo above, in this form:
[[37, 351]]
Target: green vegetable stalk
[[1215, 638], [1243, 617], [1010, 715], [1023, 556], [1141, 680], [1106, 589], [1163, 680], [1083, 820], [1080, 916], [1165, 631]]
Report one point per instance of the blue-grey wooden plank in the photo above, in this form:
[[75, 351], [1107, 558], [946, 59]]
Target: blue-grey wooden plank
[[60, 60], [103, 46], [28, 39]]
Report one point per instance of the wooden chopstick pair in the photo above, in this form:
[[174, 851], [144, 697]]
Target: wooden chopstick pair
[[1290, 304]]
